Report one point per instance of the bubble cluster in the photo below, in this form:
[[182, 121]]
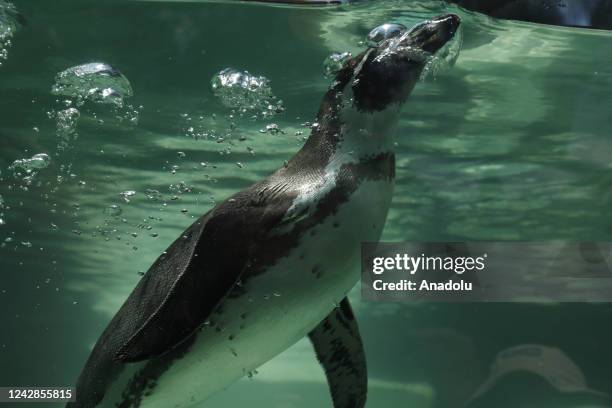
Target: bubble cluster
[[96, 81], [127, 194], [36, 162], [28, 168], [272, 128], [247, 93], [9, 22], [65, 123], [334, 63]]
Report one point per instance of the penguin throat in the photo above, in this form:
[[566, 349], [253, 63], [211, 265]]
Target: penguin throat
[[366, 134]]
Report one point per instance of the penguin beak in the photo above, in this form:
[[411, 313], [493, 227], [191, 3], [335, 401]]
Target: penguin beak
[[432, 35]]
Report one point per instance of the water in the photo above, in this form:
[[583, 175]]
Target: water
[[511, 143]]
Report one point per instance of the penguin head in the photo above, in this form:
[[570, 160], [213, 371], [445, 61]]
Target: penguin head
[[432, 35], [386, 73]]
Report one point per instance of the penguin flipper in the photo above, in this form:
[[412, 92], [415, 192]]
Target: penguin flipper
[[186, 283], [339, 349]]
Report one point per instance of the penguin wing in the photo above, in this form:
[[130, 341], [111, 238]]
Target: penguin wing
[[339, 349], [192, 276]]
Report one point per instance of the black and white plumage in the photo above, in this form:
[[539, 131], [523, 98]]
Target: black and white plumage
[[270, 264]]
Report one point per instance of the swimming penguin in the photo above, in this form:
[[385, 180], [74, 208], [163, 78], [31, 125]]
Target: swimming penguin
[[595, 14], [274, 262]]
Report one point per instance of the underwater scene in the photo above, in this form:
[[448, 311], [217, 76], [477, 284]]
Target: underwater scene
[[122, 122]]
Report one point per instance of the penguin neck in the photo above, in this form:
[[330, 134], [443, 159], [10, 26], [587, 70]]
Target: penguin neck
[[366, 134], [344, 134]]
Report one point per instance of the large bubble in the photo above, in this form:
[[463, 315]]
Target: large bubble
[[384, 32], [96, 81]]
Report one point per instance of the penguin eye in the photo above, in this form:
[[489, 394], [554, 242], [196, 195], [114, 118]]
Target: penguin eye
[[384, 32]]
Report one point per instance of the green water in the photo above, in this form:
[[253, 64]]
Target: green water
[[512, 143]]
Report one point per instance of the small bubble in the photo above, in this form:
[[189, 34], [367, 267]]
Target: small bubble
[[153, 194], [127, 194], [113, 210], [272, 128]]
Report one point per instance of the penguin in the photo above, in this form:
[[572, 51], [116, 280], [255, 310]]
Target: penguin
[[274, 262]]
